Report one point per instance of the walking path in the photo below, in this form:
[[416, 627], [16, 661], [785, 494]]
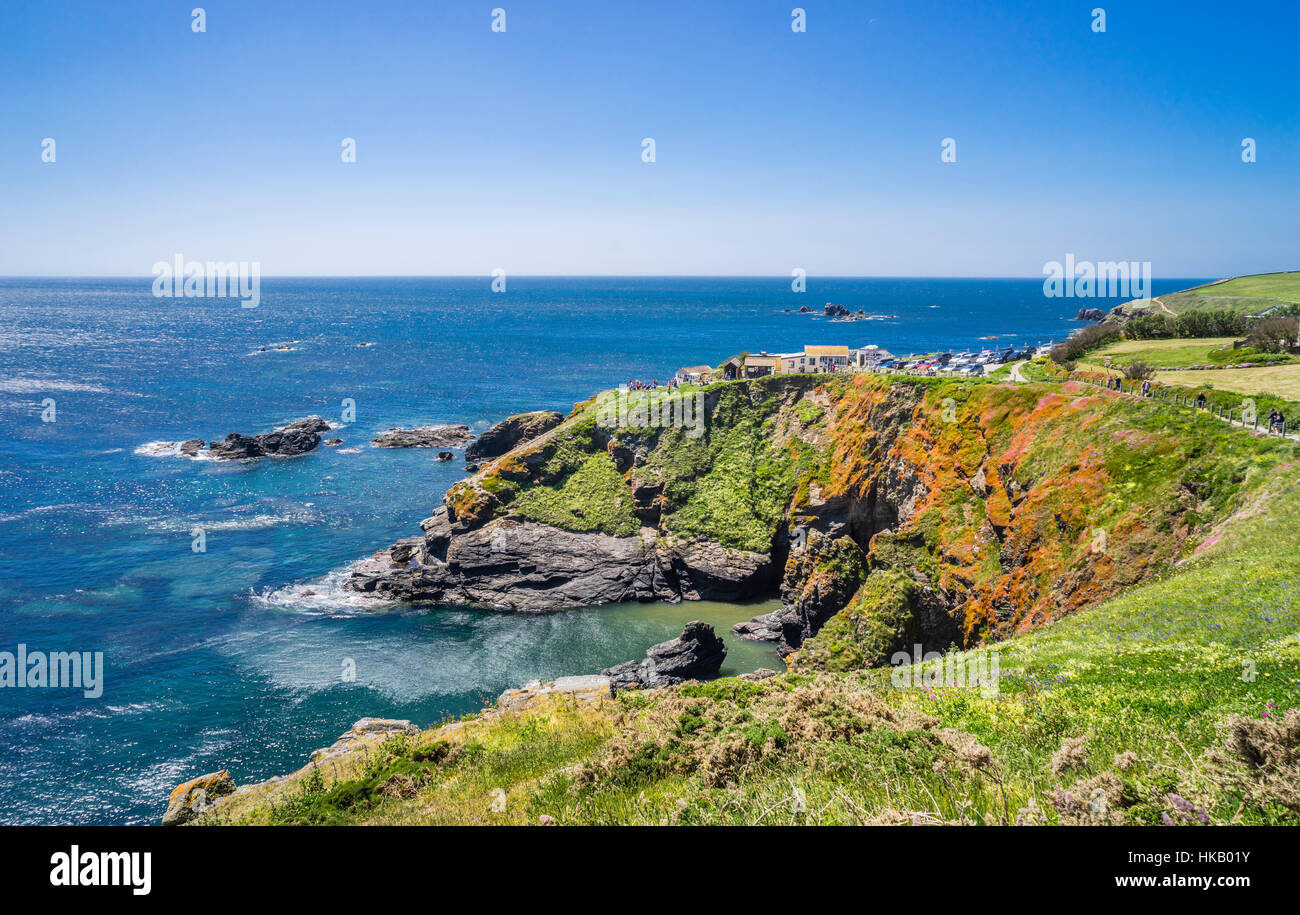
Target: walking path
[[1253, 428], [1015, 372]]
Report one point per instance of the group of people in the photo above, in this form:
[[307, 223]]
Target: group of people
[[1276, 421], [1116, 383], [635, 384]]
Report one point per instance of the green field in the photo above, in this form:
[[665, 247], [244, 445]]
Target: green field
[[1279, 380], [1243, 295], [1176, 353]]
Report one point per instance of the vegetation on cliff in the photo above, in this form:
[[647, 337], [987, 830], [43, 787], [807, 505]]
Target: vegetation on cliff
[[732, 483], [1030, 502]]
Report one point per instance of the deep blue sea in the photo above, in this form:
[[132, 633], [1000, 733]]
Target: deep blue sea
[[216, 659]]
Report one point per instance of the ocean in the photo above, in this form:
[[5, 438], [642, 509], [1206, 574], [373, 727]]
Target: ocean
[[218, 659]]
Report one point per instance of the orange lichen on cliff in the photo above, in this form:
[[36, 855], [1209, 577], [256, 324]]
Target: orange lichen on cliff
[[1013, 487]]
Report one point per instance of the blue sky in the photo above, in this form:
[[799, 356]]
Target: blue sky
[[775, 150]]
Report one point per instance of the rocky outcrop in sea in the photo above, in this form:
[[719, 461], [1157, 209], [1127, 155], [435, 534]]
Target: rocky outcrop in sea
[[455, 436], [524, 565], [289, 441], [697, 654]]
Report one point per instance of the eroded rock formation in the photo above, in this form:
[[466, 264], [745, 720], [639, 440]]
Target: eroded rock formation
[[696, 654]]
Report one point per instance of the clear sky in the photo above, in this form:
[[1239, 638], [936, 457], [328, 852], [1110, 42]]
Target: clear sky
[[774, 149]]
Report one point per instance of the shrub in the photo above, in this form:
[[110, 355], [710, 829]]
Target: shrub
[[1149, 327], [1088, 338], [1274, 335]]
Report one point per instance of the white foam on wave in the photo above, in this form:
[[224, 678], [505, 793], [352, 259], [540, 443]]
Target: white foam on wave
[[323, 597], [44, 385], [172, 449], [259, 522]]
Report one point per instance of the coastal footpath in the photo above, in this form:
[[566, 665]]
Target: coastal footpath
[[1127, 561]]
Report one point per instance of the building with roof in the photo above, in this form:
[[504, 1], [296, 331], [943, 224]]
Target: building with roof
[[695, 374], [815, 359], [869, 357]]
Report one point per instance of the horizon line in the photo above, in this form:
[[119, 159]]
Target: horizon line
[[593, 276]]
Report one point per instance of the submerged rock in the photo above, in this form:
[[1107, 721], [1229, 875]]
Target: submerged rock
[[288, 441], [511, 432], [189, 799], [456, 436], [696, 654]]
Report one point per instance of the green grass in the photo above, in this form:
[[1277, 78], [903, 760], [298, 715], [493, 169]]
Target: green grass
[[594, 497], [1180, 353], [1284, 286], [1243, 295]]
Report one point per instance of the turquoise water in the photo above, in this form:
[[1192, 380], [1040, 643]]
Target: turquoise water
[[218, 659]]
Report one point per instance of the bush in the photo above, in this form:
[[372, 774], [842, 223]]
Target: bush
[[1139, 371], [1087, 339], [1274, 335], [1210, 324], [1149, 327]]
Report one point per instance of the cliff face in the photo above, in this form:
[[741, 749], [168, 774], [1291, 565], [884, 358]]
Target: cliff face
[[615, 506], [886, 512]]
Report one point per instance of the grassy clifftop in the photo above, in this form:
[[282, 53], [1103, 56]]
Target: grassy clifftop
[[1242, 295]]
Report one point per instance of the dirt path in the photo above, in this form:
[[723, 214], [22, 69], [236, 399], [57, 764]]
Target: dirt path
[[1015, 373]]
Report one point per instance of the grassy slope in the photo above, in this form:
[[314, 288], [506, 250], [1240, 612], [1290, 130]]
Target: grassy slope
[[1243, 294], [1155, 672], [732, 484], [1280, 380], [1175, 353]]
